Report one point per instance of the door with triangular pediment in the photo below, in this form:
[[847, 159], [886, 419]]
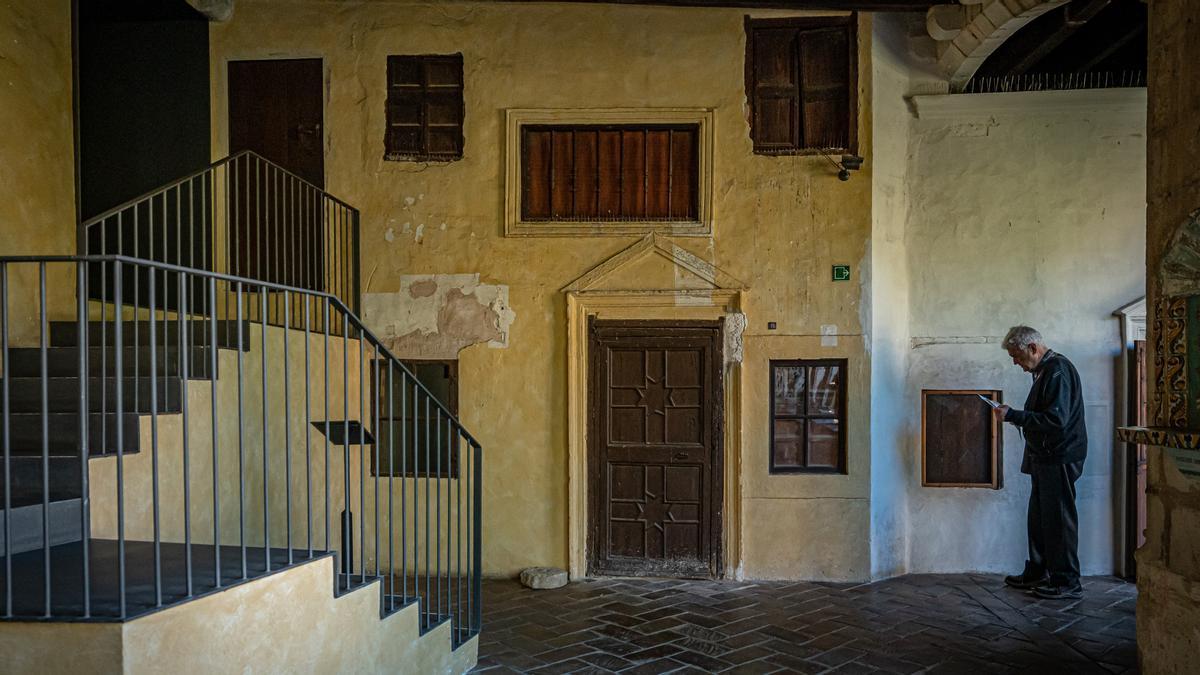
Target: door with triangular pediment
[[655, 443]]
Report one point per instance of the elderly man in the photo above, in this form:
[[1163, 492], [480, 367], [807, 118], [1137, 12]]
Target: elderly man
[[1055, 447]]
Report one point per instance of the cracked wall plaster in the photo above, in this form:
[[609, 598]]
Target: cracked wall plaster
[[435, 316]]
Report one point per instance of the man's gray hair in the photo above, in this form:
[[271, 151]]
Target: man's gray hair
[[1020, 338]]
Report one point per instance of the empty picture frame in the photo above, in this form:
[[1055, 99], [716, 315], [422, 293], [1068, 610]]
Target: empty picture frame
[[961, 440]]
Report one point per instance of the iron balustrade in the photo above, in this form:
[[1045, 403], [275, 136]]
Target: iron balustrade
[[244, 216], [234, 488]]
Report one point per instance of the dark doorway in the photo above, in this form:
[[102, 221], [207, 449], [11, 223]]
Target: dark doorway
[[143, 112], [275, 110], [655, 448]]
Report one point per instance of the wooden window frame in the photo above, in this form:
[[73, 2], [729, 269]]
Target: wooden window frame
[[517, 118], [450, 467], [997, 441], [425, 154], [800, 24], [842, 467]]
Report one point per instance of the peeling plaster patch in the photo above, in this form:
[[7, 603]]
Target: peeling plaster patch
[[423, 289], [436, 316], [442, 227], [829, 335], [409, 201], [390, 235], [735, 325], [420, 233]]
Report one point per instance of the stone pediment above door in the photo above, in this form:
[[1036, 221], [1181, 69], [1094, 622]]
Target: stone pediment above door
[[655, 263]]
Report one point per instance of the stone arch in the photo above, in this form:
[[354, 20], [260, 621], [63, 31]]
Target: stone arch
[[968, 33]]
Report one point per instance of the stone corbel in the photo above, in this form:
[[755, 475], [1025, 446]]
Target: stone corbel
[[215, 10]]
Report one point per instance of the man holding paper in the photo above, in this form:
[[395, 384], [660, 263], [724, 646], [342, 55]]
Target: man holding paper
[[1055, 447]]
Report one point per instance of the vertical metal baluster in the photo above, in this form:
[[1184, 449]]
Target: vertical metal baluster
[[416, 449], [216, 483], [363, 458], [259, 252], [375, 474], [167, 352], [104, 338], [287, 431], [266, 450], [166, 285], [6, 430], [325, 326], [429, 461], [477, 493], [43, 346], [404, 419], [185, 289], [85, 507], [241, 436], [347, 527], [137, 299], [391, 476], [120, 410], [307, 428], [471, 527], [152, 283], [437, 502], [458, 508]]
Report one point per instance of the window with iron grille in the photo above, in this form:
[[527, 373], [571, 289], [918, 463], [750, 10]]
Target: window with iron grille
[[610, 173], [424, 108], [808, 416], [802, 84]]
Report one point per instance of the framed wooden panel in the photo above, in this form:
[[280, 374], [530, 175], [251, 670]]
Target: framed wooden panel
[[961, 441]]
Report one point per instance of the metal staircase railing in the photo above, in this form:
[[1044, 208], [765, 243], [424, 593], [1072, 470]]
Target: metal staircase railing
[[274, 469]]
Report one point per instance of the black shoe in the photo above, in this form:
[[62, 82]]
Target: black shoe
[[1055, 592], [1026, 582]]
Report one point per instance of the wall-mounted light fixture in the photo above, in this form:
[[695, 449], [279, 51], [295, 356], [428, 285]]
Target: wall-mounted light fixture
[[849, 163]]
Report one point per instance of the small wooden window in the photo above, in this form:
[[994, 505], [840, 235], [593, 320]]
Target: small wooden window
[[414, 438], [808, 416], [424, 108], [802, 84], [610, 173], [960, 439]]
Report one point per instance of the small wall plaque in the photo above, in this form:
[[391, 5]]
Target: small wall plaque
[[841, 273]]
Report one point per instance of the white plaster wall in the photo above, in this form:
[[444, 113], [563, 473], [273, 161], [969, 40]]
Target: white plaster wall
[[888, 290], [1029, 209]]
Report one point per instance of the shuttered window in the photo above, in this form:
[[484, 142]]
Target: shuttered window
[[424, 108], [610, 173], [801, 80]]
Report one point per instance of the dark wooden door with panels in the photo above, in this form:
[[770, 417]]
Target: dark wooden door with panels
[[656, 424]]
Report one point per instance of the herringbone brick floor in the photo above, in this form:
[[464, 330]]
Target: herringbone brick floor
[[919, 623]]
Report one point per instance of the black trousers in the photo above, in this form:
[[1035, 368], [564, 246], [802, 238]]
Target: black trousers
[[1054, 523]]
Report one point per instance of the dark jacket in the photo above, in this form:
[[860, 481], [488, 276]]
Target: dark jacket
[[1052, 421]]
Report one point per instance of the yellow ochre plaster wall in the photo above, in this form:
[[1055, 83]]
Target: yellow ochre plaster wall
[[37, 186], [288, 622], [779, 224]]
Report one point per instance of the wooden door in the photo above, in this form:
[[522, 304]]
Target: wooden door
[[275, 110], [1135, 516], [655, 464]]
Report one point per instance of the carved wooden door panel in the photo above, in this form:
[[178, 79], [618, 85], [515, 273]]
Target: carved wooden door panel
[[655, 449]]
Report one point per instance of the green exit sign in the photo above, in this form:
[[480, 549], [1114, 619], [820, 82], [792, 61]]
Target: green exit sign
[[841, 273]]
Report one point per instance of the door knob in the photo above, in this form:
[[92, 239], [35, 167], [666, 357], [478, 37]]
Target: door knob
[[681, 455]]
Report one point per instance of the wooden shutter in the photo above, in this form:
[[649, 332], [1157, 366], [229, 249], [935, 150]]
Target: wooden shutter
[[593, 173], [825, 87], [424, 107], [801, 82]]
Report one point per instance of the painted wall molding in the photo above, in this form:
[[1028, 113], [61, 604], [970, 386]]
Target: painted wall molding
[[1073, 102]]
